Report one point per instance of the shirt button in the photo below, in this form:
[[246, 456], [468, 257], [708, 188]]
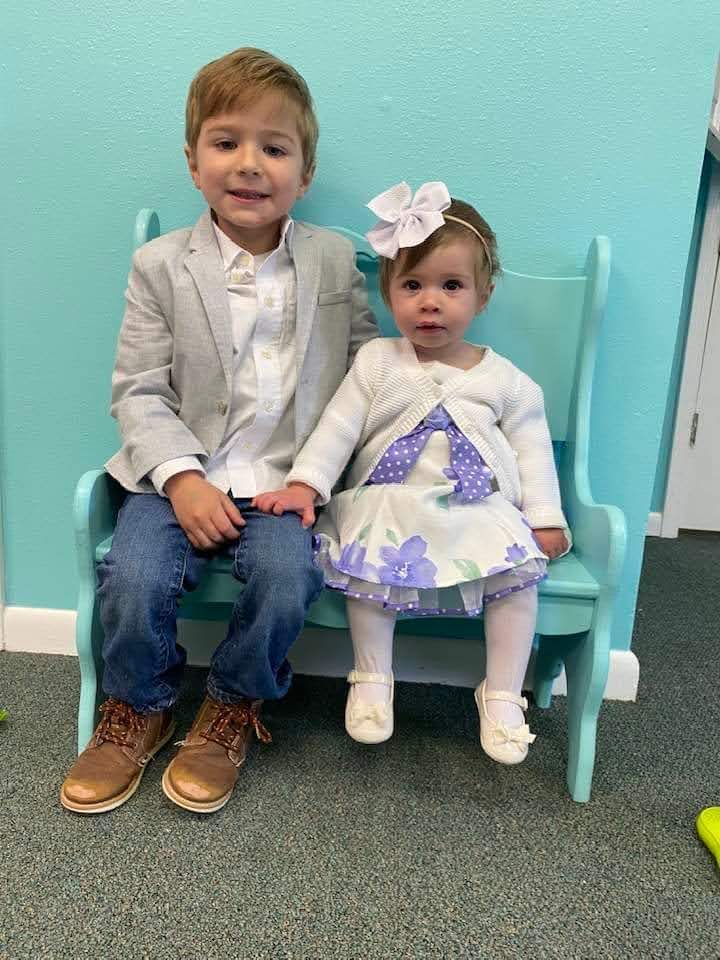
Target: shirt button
[[269, 404], [268, 301], [236, 276], [243, 259], [222, 408], [266, 354]]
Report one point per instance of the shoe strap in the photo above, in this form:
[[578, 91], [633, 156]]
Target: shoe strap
[[358, 676], [505, 695]]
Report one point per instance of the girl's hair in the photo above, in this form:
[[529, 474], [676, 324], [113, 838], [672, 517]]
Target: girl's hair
[[409, 257], [238, 79]]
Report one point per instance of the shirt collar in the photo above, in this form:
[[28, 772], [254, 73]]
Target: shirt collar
[[229, 250]]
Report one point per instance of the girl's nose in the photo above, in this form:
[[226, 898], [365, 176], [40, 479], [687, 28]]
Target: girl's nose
[[429, 304]]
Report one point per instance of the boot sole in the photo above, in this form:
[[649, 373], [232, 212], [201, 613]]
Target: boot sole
[[104, 806], [193, 805]]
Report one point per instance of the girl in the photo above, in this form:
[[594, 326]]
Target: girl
[[452, 503]]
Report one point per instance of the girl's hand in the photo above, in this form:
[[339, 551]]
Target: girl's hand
[[551, 540], [298, 498]]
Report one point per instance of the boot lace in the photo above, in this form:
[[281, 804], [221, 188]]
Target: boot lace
[[229, 722], [120, 723]]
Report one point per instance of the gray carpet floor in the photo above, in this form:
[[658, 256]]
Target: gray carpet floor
[[418, 848]]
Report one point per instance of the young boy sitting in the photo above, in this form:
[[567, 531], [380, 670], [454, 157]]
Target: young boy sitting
[[236, 334]]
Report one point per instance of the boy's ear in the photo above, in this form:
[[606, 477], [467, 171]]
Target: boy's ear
[[305, 182], [192, 164]]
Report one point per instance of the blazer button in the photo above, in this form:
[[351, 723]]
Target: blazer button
[[222, 408]]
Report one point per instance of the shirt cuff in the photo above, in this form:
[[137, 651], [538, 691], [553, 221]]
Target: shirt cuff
[[160, 475]]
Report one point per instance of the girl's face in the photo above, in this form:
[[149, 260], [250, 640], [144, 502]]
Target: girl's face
[[435, 302]]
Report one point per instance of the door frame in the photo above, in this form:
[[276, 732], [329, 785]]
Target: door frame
[[692, 363]]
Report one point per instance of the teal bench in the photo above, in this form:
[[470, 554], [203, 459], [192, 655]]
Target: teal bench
[[549, 327]]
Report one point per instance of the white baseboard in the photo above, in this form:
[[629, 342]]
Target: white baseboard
[[654, 525], [318, 651]]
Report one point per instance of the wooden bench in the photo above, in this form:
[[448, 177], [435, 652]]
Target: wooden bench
[[549, 327]]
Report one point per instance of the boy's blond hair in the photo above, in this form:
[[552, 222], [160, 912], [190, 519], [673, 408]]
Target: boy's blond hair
[[234, 80], [409, 257]]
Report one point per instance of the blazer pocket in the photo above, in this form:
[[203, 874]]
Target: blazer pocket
[[340, 296]]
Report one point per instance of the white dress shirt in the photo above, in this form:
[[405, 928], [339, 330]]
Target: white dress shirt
[[259, 443]]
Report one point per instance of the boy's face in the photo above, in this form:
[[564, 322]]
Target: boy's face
[[248, 163]]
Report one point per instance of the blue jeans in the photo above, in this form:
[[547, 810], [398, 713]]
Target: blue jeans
[[152, 564]]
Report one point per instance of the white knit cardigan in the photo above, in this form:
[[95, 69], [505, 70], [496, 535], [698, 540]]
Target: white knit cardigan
[[386, 393]]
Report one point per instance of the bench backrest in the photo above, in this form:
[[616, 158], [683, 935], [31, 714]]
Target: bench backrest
[[548, 326]]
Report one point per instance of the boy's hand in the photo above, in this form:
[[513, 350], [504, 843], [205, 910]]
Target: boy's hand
[[298, 498], [207, 515], [551, 540]]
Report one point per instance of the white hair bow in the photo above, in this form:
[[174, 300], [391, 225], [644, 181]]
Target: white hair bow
[[405, 221]]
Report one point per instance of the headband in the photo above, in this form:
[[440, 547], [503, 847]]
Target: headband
[[406, 221]]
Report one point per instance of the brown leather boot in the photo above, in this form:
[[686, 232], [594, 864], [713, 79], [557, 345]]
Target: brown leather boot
[[202, 775], [109, 770]]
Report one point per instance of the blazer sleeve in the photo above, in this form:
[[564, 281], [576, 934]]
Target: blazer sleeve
[[363, 326], [143, 400], [328, 449], [525, 426]]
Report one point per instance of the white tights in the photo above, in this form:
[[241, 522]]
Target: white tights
[[509, 631]]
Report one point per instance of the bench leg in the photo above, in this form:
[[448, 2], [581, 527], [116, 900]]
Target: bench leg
[[586, 667], [548, 666], [89, 640]]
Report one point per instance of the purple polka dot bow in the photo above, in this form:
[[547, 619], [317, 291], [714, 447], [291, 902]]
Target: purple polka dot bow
[[467, 467]]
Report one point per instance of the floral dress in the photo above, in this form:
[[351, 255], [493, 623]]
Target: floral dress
[[428, 532]]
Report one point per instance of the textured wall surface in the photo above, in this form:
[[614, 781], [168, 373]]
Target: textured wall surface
[[558, 120]]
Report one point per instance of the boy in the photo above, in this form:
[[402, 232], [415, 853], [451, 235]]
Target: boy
[[236, 334]]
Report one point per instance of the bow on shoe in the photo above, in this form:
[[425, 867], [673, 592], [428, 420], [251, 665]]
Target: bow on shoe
[[502, 734], [376, 712], [405, 221]]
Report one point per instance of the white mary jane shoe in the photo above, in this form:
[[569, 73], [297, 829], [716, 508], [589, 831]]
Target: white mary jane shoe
[[500, 742], [369, 722]]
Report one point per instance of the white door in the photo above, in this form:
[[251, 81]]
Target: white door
[[692, 500]]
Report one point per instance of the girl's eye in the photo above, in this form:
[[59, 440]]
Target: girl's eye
[[453, 285], [225, 144], [274, 151], [411, 285]]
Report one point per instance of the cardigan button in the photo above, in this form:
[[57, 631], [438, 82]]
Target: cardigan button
[[222, 408]]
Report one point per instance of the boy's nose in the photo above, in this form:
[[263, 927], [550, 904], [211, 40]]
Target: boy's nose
[[247, 161]]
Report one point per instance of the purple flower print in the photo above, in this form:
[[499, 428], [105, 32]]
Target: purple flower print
[[406, 566], [515, 553], [352, 562]]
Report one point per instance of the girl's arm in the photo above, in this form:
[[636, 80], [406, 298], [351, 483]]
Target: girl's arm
[[327, 450], [525, 426]]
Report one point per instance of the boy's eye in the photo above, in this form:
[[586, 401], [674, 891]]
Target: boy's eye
[[453, 285], [273, 151], [225, 144], [411, 285]]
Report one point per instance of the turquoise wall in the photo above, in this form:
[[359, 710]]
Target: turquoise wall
[[559, 120]]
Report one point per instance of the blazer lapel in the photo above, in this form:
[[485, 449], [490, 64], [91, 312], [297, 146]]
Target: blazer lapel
[[205, 265], [306, 257]]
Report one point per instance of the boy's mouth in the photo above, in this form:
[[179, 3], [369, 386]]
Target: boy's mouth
[[429, 326], [248, 194]]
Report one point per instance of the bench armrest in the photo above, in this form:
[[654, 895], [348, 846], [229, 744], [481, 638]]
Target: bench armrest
[[97, 501], [598, 530]]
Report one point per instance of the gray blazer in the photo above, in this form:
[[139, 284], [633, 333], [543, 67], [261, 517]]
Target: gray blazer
[[171, 385]]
